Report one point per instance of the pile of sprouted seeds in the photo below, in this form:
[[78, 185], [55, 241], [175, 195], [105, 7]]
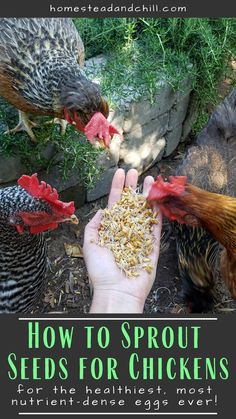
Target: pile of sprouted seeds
[[126, 229]]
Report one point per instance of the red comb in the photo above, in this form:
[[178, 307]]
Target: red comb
[[161, 189], [99, 127], [42, 190]]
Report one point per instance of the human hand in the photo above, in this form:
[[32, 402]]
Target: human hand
[[113, 290]]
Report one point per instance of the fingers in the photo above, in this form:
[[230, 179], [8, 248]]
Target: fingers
[[148, 181], [116, 187], [147, 184], [118, 183], [91, 229], [131, 179]]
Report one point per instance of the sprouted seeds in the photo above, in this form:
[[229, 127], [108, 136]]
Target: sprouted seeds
[[126, 229]]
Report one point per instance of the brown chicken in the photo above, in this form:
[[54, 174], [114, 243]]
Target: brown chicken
[[41, 74], [201, 200]]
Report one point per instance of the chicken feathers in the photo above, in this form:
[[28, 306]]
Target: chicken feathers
[[210, 166], [41, 62]]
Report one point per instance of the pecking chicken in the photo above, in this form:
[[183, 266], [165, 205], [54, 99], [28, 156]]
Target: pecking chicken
[[41, 74], [201, 200], [26, 211]]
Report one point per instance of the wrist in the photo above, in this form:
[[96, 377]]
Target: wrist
[[114, 301]]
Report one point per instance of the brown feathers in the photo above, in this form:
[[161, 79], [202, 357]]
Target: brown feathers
[[35, 54], [210, 201]]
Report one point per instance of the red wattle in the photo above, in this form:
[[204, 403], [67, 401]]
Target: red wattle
[[19, 228], [41, 228], [161, 189]]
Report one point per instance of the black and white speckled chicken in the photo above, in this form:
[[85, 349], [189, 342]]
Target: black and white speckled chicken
[[41, 74], [26, 211]]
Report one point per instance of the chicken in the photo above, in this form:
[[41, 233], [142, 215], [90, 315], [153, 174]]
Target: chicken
[[26, 211], [41, 74], [201, 200]]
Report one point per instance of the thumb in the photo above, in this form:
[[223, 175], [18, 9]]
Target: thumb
[[91, 230]]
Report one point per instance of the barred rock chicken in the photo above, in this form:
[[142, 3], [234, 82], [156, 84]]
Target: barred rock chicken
[[26, 211], [202, 201], [40, 73]]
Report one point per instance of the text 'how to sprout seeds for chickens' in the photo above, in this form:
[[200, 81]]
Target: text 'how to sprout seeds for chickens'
[[125, 365]]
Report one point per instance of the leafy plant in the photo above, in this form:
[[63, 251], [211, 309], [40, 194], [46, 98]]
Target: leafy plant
[[77, 152], [104, 35], [142, 54]]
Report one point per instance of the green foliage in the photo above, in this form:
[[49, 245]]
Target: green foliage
[[144, 52], [200, 121], [104, 35], [209, 44], [77, 151]]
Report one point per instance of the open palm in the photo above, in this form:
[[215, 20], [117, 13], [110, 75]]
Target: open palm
[[104, 274]]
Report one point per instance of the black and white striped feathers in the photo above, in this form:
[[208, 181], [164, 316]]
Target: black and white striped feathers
[[23, 257], [40, 60]]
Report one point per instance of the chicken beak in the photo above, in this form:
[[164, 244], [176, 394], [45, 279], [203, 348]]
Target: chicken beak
[[102, 143], [73, 219]]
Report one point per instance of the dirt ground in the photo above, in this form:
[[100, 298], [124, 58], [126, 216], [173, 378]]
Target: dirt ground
[[68, 289]]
